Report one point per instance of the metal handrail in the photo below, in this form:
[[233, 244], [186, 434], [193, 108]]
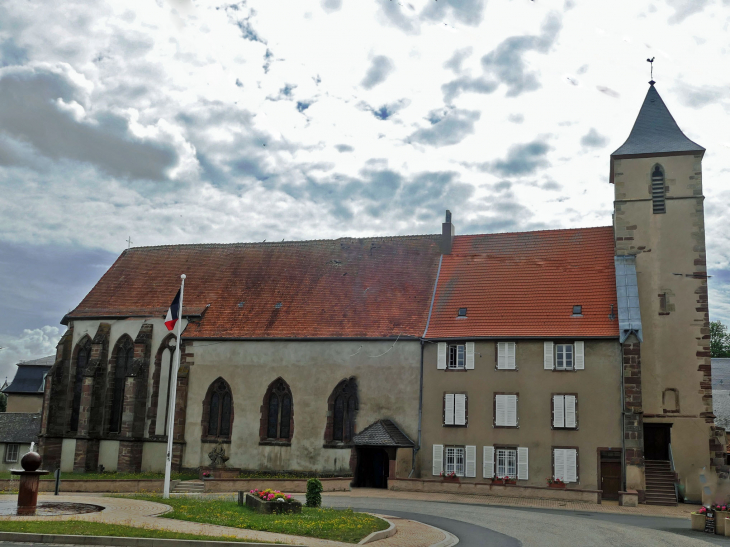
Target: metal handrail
[[671, 463]]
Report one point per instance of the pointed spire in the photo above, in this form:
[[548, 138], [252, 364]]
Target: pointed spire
[[655, 131]]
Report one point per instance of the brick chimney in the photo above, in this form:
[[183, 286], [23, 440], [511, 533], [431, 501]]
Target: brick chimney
[[447, 235]]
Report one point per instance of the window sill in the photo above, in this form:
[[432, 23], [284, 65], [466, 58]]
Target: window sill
[[507, 369], [338, 444], [565, 428], [272, 442], [495, 426], [215, 440], [454, 425], [464, 369]]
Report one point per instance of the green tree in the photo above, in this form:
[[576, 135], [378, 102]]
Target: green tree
[[719, 340]]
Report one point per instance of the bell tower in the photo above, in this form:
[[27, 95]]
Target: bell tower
[[659, 229]]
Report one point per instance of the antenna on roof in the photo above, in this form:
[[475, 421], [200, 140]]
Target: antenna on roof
[[652, 82], [129, 242]]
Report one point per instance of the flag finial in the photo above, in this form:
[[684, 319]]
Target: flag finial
[[651, 61]]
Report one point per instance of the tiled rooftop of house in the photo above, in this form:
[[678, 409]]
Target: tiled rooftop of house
[[348, 288], [526, 285]]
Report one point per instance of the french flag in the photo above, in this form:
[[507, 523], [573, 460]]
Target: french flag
[[173, 314]]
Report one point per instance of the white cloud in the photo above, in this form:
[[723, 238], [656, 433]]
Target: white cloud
[[30, 344]]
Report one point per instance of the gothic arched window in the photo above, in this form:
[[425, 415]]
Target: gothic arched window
[[277, 413], [343, 406], [83, 356], [122, 368], [161, 382], [218, 411], [658, 193]]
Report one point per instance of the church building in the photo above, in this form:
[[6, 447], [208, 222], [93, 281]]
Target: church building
[[578, 354]]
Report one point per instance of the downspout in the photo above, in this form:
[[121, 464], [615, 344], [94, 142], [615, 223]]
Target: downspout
[[623, 419], [420, 387]]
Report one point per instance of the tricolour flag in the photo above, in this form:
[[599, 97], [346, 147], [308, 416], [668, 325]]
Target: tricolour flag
[[173, 314]]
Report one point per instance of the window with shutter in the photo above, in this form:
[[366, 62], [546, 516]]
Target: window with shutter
[[548, 356], [506, 356], [454, 461], [579, 348], [488, 462], [558, 411], [456, 359], [505, 410], [522, 463], [565, 464], [564, 357], [449, 409], [506, 462], [570, 420], [471, 461], [438, 459], [559, 464], [470, 356], [565, 412], [459, 409], [441, 363]]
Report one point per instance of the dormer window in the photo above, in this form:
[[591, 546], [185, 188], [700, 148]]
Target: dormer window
[[658, 192]]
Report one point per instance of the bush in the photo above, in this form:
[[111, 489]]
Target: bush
[[314, 493]]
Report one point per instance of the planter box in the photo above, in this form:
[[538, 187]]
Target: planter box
[[698, 522], [557, 485], [450, 479], [220, 472], [727, 527], [269, 507], [503, 482], [720, 517]]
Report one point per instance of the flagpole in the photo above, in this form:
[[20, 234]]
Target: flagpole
[[173, 395]]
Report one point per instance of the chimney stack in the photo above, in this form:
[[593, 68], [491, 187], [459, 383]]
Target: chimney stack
[[447, 235]]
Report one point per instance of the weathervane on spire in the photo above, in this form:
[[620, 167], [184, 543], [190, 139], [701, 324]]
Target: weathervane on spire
[[652, 82]]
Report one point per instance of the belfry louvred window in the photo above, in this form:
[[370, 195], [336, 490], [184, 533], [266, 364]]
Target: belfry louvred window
[[218, 411], [658, 191]]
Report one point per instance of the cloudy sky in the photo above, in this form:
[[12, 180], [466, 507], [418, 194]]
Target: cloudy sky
[[184, 121]]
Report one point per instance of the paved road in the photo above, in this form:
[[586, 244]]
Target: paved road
[[490, 526]]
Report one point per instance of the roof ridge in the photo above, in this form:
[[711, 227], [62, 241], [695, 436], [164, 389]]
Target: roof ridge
[[290, 243], [538, 231]]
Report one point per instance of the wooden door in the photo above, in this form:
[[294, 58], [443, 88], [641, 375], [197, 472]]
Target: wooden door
[[610, 480]]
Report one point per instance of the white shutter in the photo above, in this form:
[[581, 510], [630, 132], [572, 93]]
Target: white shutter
[[438, 459], [500, 410], [441, 364], [559, 463], [522, 463], [570, 411], [459, 409], [511, 355], [571, 465], [488, 462], [471, 461], [558, 411], [579, 355], [501, 355], [511, 410], [469, 355], [449, 409], [548, 356]]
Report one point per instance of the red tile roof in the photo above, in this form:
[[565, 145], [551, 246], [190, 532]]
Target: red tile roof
[[526, 284], [377, 287]]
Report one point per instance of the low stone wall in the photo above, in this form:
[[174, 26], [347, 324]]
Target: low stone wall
[[486, 489], [92, 485], [336, 484]]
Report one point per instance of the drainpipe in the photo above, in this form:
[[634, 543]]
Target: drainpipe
[[420, 413], [423, 342], [623, 420]]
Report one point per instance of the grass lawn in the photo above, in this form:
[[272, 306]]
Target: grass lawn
[[115, 476], [81, 528], [339, 525]]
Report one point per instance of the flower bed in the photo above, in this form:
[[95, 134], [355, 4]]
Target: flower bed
[[271, 501]]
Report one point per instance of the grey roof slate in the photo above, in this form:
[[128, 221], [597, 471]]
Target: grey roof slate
[[720, 373], [28, 378], [42, 362], [382, 433], [627, 297], [655, 131], [19, 427]]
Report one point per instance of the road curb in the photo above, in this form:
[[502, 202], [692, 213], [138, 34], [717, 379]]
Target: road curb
[[113, 541], [380, 534]]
